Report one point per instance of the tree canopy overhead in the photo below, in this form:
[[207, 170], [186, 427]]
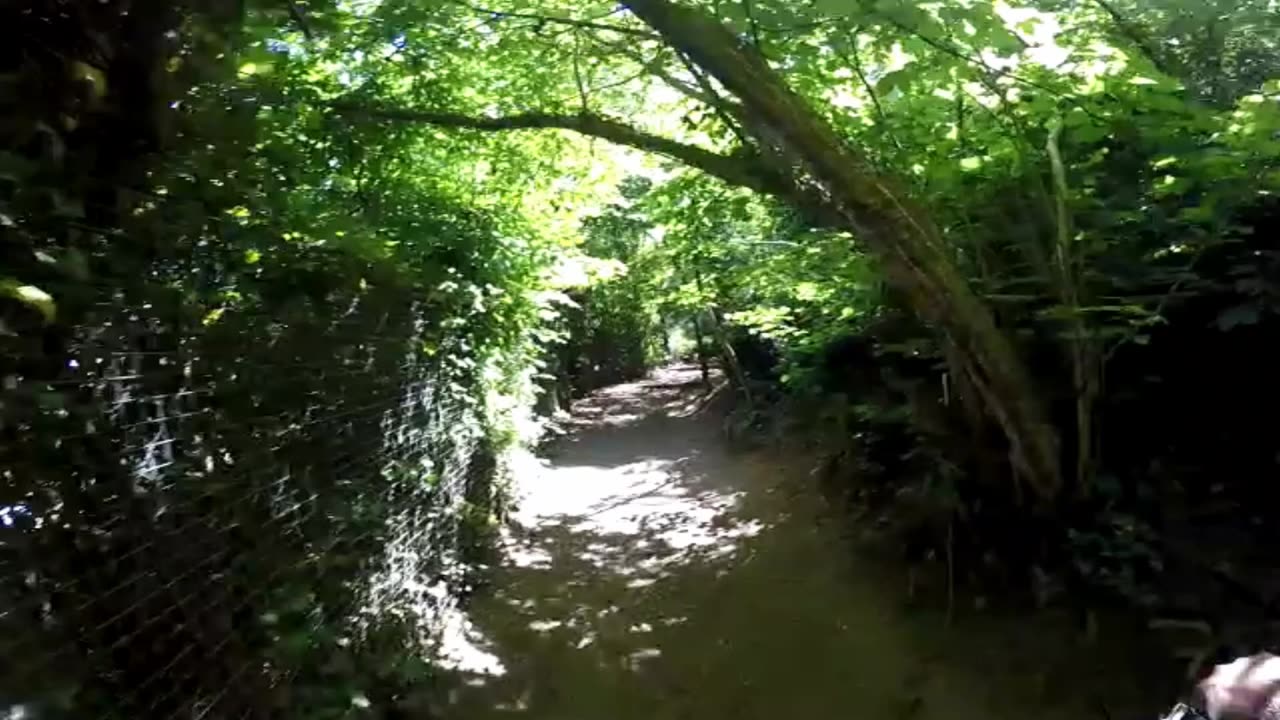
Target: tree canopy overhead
[[866, 118]]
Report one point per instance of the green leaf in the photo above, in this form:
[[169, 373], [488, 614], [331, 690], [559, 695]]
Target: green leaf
[[895, 80], [250, 69], [31, 296], [213, 316]]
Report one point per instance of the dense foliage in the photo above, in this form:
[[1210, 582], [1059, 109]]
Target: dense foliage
[[256, 384], [281, 278]]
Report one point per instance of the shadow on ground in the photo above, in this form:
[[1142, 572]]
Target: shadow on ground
[[650, 574]]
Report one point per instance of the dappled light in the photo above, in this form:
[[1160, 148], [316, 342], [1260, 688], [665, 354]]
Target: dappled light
[[642, 576], [627, 500], [633, 479]]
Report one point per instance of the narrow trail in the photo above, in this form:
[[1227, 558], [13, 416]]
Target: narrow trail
[[653, 574]]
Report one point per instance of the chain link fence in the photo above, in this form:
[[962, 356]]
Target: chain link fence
[[235, 483], [193, 513]]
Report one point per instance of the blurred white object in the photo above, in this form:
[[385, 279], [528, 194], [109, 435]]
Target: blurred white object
[[1245, 689]]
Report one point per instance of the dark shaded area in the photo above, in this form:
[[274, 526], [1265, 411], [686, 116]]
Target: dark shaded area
[[1177, 520], [224, 454]]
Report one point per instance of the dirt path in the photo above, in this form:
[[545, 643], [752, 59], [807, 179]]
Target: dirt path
[[654, 575]]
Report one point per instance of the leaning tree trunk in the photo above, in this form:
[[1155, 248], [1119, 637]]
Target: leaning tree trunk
[[900, 233]]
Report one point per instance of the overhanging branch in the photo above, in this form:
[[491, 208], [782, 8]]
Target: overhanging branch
[[735, 169], [1134, 34], [730, 114], [580, 24]]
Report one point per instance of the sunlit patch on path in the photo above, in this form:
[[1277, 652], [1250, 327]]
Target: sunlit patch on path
[[635, 479]]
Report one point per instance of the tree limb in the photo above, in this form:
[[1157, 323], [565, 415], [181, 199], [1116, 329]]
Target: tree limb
[[582, 24], [731, 114], [300, 20], [755, 29], [683, 87], [890, 223], [737, 169], [802, 27], [728, 111], [991, 72], [654, 67], [1138, 38], [855, 62], [577, 72]]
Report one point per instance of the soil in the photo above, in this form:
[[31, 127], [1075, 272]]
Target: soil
[[651, 573]]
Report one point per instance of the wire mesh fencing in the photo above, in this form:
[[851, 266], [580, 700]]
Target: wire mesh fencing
[[237, 469], [194, 514]]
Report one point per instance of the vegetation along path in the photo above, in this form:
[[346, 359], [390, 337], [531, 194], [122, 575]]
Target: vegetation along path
[[651, 573]]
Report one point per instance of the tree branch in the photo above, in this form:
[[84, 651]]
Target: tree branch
[[755, 29], [853, 59], [991, 72], [1135, 35], [654, 67], [729, 112], [577, 72], [582, 24], [802, 27], [733, 169], [683, 87], [300, 20], [903, 235], [742, 169]]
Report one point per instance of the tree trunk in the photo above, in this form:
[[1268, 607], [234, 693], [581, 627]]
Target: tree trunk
[[881, 216], [703, 363], [721, 338]]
